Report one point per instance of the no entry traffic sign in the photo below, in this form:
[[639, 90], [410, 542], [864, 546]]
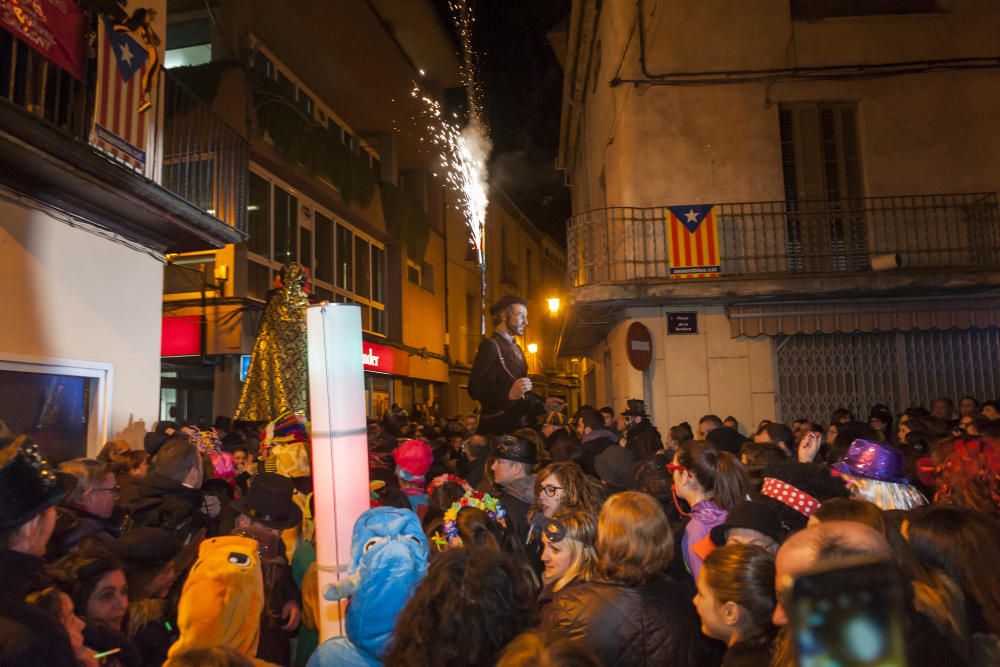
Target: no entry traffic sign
[[639, 346]]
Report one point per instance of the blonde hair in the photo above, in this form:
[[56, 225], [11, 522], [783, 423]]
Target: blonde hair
[[634, 540], [581, 534]]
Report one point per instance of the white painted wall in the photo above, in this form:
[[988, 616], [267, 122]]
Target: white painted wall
[[692, 374], [68, 293]]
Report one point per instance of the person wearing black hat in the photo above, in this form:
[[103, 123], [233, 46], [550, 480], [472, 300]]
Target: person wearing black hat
[[264, 512], [29, 492], [499, 376], [148, 555], [752, 522], [641, 437], [512, 468]]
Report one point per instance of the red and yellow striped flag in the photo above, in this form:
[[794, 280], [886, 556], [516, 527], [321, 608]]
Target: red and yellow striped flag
[[694, 241]]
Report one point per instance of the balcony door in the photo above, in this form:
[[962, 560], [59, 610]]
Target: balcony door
[[821, 167]]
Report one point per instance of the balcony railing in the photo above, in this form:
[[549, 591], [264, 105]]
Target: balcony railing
[[770, 239], [204, 160]]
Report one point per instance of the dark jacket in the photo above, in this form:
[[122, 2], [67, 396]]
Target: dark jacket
[[495, 369], [597, 441], [754, 652], [78, 528], [160, 502], [28, 637], [653, 624]]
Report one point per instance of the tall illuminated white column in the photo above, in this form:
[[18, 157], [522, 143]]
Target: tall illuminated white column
[[339, 444]]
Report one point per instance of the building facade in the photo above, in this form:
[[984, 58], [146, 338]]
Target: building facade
[[844, 156], [89, 210]]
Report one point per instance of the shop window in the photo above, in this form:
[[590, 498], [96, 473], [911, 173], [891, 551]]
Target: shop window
[[305, 248]]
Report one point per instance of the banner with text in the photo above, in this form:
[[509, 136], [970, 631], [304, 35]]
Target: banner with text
[[54, 28]]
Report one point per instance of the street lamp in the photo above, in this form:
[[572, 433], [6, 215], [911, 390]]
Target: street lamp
[[532, 348], [553, 305]]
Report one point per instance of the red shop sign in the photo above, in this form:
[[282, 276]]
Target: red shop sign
[[384, 359], [181, 336]]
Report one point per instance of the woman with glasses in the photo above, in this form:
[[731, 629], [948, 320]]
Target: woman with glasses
[[711, 482], [563, 486], [568, 552]]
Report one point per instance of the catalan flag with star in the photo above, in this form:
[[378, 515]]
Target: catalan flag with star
[[694, 241]]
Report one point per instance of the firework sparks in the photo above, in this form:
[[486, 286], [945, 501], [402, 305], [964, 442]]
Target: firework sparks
[[463, 150]]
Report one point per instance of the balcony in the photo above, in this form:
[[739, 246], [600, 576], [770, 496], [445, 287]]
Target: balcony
[[813, 240], [196, 198]]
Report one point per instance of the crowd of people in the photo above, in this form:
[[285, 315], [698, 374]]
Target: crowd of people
[[588, 539]]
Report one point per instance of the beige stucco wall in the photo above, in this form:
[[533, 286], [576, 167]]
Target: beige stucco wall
[[691, 374], [71, 294], [922, 133]]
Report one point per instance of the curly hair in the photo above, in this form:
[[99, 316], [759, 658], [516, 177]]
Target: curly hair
[[968, 474], [580, 491], [634, 539], [464, 612]]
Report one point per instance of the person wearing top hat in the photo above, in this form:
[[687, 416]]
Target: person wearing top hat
[[29, 492], [499, 377], [264, 512], [513, 468], [641, 437]]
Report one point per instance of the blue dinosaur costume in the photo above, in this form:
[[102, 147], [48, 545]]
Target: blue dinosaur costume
[[388, 560]]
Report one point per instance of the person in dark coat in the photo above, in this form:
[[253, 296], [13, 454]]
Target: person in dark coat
[[641, 437], [29, 491], [514, 462], [264, 512], [85, 517], [633, 613], [594, 437], [499, 376]]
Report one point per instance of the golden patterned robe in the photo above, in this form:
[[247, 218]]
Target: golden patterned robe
[[278, 379]]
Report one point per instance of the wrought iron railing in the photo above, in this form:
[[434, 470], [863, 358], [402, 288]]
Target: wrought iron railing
[[767, 239], [204, 160]]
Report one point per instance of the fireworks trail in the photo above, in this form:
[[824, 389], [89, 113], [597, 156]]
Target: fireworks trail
[[464, 151]]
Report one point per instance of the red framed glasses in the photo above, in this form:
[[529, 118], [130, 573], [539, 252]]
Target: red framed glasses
[[673, 467]]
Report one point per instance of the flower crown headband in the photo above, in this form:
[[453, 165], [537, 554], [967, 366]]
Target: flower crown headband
[[442, 479], [483, 501]]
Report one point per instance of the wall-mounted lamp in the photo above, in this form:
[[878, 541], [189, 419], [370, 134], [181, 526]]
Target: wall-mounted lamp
[[532, 348], [553, 305]]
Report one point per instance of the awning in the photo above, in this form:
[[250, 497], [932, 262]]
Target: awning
[[771, 319]]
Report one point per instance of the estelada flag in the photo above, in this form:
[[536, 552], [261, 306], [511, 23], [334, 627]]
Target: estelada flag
[[120, 128], [694, 241]]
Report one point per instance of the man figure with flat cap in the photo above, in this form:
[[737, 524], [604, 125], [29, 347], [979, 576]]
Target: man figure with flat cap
[[499, 378]]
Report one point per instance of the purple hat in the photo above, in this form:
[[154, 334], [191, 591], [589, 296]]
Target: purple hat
[[873, 460]]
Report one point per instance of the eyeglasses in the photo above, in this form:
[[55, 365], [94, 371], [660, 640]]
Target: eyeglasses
[[550, 490], [673, 467]]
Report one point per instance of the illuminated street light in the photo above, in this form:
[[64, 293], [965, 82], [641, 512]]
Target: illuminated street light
[[532, 348], [553, 305]]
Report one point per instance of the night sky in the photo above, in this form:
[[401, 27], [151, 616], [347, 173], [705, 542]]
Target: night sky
[[522, 89]]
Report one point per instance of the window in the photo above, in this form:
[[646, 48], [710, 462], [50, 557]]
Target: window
[[362, 273], [285, 223], [821, 167], [347, 266], [259, 216], [345, 258], [413, 272], [189, 274], [427, 276], [188, 43], [815, 10], [62, 404], [324, 248]]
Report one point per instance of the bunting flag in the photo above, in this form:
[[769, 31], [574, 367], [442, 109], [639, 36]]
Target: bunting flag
[[694, 241], [120, 126]]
